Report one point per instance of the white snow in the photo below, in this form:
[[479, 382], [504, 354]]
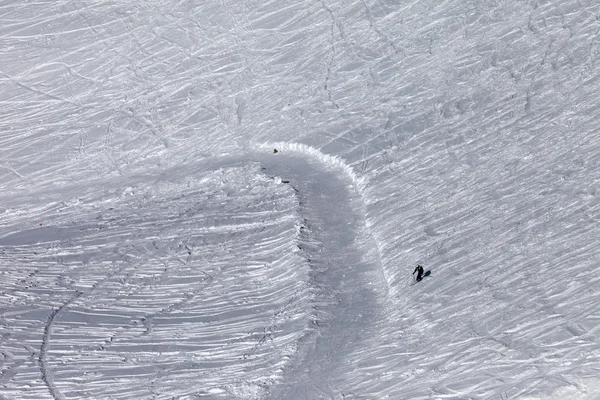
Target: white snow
[[226, 199]]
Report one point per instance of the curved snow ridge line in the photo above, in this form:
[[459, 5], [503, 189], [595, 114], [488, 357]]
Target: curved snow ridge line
[[300, 242], [47, 375], [335, 163]]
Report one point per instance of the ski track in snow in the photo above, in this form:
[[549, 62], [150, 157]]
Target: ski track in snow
[[152, 244]]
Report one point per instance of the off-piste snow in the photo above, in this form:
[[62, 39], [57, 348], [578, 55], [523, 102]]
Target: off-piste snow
[[227, 199]]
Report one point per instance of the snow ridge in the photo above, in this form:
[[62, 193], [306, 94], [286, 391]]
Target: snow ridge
[[333, 163]]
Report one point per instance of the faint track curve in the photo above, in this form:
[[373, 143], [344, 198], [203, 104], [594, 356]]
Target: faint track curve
[[46, 371], [47, 375]]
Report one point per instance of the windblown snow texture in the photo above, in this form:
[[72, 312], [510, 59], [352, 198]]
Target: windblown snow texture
[[153, 245]]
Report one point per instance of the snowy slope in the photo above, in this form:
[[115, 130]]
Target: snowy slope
[[153, 245]]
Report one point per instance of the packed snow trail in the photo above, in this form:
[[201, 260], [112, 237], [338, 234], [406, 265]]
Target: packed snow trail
[[345, 270]]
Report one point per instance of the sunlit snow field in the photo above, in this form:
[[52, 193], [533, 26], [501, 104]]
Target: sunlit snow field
[[226, 199]]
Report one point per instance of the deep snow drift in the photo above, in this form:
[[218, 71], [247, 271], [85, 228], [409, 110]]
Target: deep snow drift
[[226, 200]]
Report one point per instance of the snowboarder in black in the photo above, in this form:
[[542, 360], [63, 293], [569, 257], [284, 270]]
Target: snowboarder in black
[[419, 270]]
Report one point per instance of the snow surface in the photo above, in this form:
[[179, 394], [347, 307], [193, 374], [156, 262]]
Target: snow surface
[[154, 245]]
